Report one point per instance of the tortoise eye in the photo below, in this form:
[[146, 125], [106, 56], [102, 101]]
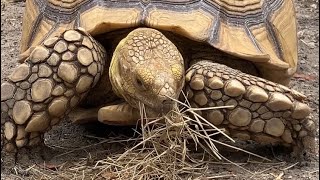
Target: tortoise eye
[[140, 84]]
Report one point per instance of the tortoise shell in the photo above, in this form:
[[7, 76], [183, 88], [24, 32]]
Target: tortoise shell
[[261, 31]]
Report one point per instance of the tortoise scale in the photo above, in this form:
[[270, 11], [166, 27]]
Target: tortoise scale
[[100, 59]]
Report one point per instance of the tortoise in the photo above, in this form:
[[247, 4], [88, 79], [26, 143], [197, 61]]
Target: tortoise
[[103, 59]]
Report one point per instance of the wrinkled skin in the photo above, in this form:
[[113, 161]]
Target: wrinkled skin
[[147, 67]]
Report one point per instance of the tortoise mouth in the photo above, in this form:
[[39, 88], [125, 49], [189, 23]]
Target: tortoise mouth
[[152, 109], [164, 109], [158, 109]]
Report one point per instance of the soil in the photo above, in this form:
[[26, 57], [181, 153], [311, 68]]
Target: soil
[[68, 136]]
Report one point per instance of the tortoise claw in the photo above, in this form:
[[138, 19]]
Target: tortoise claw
[[120, 114], [83, 115]]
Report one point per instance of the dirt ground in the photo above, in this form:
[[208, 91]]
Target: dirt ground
[[67, 136]]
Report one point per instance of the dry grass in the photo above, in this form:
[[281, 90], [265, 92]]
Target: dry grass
[[179, 145]]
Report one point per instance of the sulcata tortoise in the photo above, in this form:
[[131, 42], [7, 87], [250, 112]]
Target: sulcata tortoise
[[104, 58]]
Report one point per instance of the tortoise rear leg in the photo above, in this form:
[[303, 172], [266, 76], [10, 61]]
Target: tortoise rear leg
[[41, 91], [263, 111]]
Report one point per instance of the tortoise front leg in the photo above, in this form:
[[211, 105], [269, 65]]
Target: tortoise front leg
[[263, 111], [41, 91]]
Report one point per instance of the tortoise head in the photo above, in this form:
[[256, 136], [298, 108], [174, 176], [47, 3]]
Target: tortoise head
[[147, 67]]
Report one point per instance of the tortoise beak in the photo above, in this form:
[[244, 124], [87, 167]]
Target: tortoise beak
[[167, 105]]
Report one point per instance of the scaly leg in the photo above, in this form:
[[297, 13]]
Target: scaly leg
[[263, 111], [41, 91]]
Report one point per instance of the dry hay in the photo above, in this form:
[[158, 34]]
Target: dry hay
[[179, 145]]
